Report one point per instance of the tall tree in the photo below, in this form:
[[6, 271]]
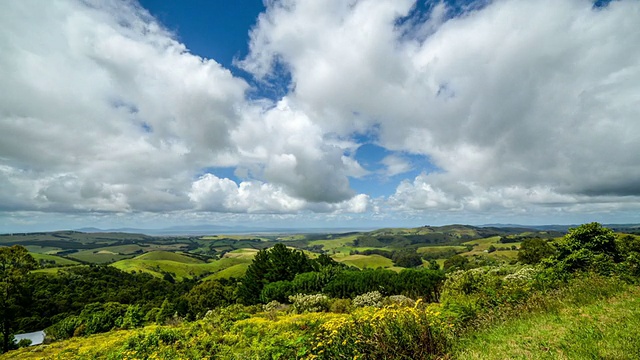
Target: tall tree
[[270, 265], [592, 237], [15, 263]]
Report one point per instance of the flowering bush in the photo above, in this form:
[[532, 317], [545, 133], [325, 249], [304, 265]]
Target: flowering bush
[[399, 300], [341, 306], [302, 303], [273, 306], [391, 332], [373, 298]]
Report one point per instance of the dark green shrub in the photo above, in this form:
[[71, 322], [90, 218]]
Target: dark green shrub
[[456, 262], [23, 343], [65, 328], [278, 291], [532, 251], [133, 317], [341, 306]]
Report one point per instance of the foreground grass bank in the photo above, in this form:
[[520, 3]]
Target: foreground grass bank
[[590, 318], [578, 323]]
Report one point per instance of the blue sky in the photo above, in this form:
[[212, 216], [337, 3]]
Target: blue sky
[[318, 114]]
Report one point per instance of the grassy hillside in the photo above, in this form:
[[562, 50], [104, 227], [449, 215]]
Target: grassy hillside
[[234, 271], [598, 330], [182, 266], [52, 259], [170, 256], [366, 261]]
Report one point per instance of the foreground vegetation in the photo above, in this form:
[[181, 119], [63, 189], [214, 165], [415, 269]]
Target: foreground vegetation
[[575, 297]]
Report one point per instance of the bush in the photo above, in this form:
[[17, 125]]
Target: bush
[[23, 343], [65, 328], [456, 262], [373, 298], [302, 303], [387, 333], [341, 306], [398, 300], [591, 237], [468, 293], [274, 306], [532, 251], [133, 317], [224, 317], [277, 291]]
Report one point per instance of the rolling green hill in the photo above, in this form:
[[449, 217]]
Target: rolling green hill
[[53, 259], [181, 266], [170, 256], [366, 261]]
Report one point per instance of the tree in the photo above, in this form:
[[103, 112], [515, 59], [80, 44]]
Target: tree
[[278, 263], [533, 250], [593, 237], [15, 264], [589, 246], [208, 295], [407, 259], [456, 262]]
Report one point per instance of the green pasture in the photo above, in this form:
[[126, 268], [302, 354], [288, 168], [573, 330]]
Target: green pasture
[[366, 261], [334, 244], [438, 248], [167, 255], [180, 266], [98, 256], [483, 244], [234, 271], [242, 254], [58, 260]]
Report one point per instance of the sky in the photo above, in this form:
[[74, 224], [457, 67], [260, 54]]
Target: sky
[[332, 114]]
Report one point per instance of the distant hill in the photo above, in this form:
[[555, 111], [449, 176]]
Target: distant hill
[[634, 228], [167, 255], [194, 230]]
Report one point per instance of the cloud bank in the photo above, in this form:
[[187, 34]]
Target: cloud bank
[[519, 103], [523, 107]]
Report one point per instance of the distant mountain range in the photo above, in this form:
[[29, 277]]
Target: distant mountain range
[[219, 229]]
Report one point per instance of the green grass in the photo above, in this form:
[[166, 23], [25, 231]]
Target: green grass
[[366, 261], [334, 244], [181, 266], [53, 270], [242, 254], [97, 256], [605, 329], [431, 249], [234, 271], [167, 255], [483, 244], [59, 261], [42, 249]]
